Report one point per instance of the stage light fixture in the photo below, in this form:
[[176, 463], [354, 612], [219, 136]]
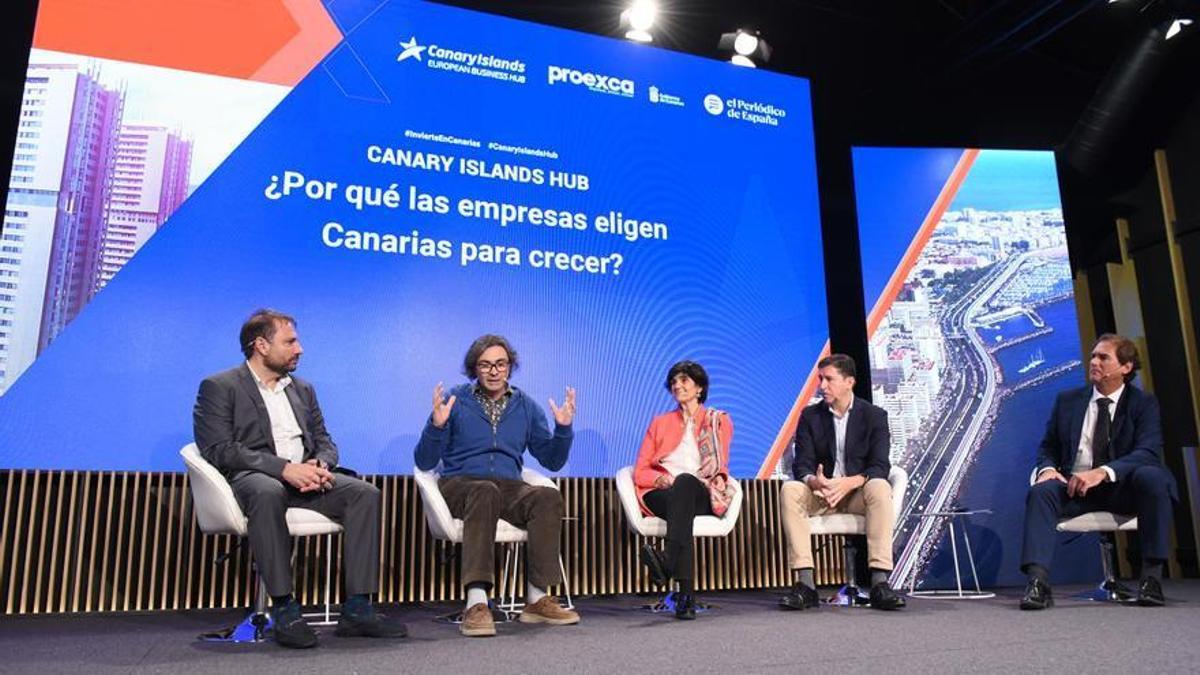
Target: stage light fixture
[[638, 19], [745, 48], [1176, 26]]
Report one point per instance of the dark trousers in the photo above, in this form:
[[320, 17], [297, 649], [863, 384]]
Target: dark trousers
[[1144, 493], [480, 502], [350, 501], [679, 505]]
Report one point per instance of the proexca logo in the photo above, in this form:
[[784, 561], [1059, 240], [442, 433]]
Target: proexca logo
[[605, 84]]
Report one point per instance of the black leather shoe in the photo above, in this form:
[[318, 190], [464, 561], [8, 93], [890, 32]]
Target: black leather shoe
[[652, 559], [800, 597], [883, 597], [1037, 595], [370, 624], [685, 606], [1150, 593], [290, 629]]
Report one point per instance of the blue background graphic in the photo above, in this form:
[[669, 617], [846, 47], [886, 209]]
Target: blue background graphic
[[736, 285]]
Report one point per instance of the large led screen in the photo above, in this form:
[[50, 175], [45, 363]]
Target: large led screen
[[402, 177], [972, 333]]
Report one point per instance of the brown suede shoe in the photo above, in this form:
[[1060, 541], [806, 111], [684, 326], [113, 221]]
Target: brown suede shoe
[[547, 610], [477, 621]]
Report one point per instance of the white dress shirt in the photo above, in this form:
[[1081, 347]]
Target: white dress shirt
[[839, 435], [685, 458], [289, 443], [1083, 456], [839, 441]]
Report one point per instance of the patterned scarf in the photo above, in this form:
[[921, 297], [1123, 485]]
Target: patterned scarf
[[708, 438]]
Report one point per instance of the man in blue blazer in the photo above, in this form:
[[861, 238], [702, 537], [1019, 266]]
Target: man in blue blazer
[[1102, 452], [841, 466]]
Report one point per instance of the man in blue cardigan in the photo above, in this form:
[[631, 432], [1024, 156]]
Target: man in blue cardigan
[[479, 434]]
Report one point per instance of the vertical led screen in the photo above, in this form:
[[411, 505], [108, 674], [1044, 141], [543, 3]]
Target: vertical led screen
[[402, 177], [972, 332]]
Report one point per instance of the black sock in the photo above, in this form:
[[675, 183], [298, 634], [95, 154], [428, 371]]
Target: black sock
[[1152, 569], [1036, 571], [281, 601], [686, 586], [357, 604], [879, 576]]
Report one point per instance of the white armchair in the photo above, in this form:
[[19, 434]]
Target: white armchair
[[849, 524], [218, 512], [444, 526], [1105, 523]]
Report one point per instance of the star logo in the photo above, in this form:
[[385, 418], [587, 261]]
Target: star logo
[[411, 49]]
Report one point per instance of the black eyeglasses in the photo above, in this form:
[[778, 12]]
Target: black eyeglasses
[[491, 366]]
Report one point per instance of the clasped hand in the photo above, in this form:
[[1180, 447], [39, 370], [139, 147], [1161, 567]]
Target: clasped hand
[[832, 490], [309, 476]]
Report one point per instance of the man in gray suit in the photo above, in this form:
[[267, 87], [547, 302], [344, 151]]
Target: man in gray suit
[[264, 430]]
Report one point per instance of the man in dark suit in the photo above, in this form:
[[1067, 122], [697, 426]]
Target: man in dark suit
[[1102, 452], [264, 430], [841, 465]]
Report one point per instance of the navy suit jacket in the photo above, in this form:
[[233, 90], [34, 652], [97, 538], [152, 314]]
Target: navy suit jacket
[[233, 429], [867, 441], [1136, 433]]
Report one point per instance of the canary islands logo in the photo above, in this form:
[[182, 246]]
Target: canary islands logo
[[463, 61], [412, 50]]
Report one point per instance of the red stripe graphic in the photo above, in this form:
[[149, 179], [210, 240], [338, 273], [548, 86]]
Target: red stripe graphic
[[882, 305]]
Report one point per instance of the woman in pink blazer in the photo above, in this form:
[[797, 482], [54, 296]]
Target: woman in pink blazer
[[682, 471]]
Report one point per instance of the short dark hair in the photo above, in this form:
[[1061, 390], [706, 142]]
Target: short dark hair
[[1127, 352], [693, 370], [482, 344], [843, 362], [262, 324]]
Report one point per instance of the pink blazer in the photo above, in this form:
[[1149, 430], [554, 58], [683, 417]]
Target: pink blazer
[[663, 436]]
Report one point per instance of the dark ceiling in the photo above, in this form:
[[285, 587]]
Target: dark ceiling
[[999, 73], [958, 72]]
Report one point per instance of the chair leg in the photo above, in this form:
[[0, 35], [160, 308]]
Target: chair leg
[[565, 584], [254, 627], [327, 616], [1109, 590], [849, 595]]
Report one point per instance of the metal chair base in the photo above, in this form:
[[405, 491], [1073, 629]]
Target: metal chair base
[[1110, 590], [251, 629], [668, 603], [849, 596]]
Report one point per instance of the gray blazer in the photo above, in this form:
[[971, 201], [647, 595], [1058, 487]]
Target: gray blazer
[[233, 429]]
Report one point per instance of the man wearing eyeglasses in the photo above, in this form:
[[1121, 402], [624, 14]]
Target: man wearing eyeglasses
[[480, 433]]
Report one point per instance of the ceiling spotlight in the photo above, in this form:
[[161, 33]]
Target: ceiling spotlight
[[745, 48], [1176, 26], [638, 19]]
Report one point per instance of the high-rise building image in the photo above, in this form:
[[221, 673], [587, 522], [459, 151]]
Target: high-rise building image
[[54, 217], [149, 181]]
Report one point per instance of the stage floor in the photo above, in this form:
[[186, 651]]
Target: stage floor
[[746, 633]]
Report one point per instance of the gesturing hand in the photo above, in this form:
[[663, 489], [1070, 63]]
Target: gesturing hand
[[306, 477], [564, 415], [441, 408]]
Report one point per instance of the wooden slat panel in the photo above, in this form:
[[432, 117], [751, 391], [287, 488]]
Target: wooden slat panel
[[108, 541]]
